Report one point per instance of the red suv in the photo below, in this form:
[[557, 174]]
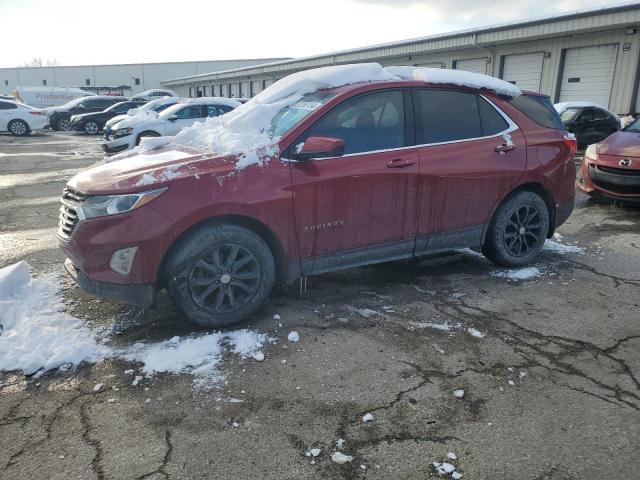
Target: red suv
[[361, 174]]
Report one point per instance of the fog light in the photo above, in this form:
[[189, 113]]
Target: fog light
[[121, 260]]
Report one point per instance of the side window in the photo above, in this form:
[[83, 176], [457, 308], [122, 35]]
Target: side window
[[124, 108], [7, 106], [367, 123], [213, 111], [491, 121], [447, 116], [599, 114], [586, 115], [193, 111]]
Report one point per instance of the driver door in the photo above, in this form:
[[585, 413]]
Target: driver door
[[186, 117], [360, 206]]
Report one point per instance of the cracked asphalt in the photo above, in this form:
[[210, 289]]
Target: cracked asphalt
[[551, 388]]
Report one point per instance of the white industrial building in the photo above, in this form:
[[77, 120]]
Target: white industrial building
[[139, 76], [591, 55]]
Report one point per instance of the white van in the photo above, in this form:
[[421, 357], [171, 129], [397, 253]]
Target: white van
[[42, 97]]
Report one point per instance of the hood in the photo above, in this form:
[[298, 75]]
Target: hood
[[145, 171], [138, 119], [114, 120], [621, 143]]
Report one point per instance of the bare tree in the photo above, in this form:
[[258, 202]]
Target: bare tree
[[39, 62]]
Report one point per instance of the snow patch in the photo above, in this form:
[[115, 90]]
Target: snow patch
[[518, 274], [340, 458], [367, 418], [458, 393], [560, 248], [293, 337]]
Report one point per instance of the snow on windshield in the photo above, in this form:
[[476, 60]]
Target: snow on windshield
[[247, 130]]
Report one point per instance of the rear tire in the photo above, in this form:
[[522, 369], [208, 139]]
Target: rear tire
[[146, 134], [63, 124], [219, 275], [91, 128], [518, 230], [19, 128]]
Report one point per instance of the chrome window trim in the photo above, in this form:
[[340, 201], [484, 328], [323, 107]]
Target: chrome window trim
[[512, 127]]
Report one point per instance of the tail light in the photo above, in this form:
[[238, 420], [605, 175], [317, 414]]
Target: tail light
[[571, 143], [36, 113]]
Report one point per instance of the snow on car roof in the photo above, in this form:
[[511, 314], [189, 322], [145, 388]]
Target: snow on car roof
[[561, 107], [230, 102], [245, 131]]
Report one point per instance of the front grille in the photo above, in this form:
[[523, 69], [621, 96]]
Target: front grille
[[68, 218], [627, 172], [616, 180]]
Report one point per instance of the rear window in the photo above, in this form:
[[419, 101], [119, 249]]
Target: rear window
[[538, 109]]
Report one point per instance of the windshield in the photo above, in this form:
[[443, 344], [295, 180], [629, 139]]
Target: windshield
[[171, 110], [569, 114], [161, 107], [633, 126], [289, 117]]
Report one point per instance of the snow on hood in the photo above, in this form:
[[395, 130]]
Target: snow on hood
[[139, 118], [244, 132]]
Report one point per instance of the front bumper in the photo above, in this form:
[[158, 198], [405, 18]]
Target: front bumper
[[608, 182], [115, 145], [135, 294]]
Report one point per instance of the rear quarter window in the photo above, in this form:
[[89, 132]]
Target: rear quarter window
[[539, 109]]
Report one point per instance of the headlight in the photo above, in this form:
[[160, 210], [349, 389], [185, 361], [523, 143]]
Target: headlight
[[591, 151], [123, 132], [103, 205]]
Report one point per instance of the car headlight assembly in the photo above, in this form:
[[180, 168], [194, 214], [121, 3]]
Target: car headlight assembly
[[123, 132], [104, 205], [591, 151]]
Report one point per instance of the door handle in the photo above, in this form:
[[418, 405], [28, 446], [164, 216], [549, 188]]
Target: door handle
[[504, 148], [400, 163]]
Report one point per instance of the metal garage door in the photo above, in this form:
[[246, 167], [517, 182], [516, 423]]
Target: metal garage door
[[524, 70], [431, 65], [588, 74], [477, 65]]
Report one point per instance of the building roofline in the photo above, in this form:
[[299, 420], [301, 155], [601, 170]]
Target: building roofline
[[615, 8], [265, 59]]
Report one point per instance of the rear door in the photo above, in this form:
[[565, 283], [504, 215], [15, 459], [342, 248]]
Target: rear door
[[471, 156], [362, 205]]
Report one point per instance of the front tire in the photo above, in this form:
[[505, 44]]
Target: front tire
[[219, 275], [19, 128], [91, 128], [518, 230]]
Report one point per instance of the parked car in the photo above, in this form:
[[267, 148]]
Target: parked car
[[589, 122], [154, 94], [127, 133], [60, 117], [611, 168], [153, 107], [358, 174], [21, 119], [92, 123]]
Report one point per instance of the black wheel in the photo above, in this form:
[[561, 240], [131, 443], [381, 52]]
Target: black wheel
[[220, 274], [146, 134], [518, 230], [91, 127], [19, 127], [63, 124]]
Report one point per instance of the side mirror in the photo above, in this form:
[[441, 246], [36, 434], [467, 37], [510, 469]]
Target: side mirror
[[319, 147], [173, 118]]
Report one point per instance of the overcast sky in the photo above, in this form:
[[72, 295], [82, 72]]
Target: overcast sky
[[77, 32]]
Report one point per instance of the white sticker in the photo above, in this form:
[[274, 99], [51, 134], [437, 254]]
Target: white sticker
[[310, 106]]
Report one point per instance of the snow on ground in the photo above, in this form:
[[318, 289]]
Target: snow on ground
[[340, 458], [447, 327], [35, 333], [561, 248], [518, 273], [36, 336]]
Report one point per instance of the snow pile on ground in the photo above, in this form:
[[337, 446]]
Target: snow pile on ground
[[518, 273], [447, 327], [35, 333], [561, 248], [36, 336], [340, 458]]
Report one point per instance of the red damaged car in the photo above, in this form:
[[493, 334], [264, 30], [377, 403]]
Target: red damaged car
[[382, 169], [611, 168]]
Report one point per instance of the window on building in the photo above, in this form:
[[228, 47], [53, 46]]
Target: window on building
[[6, 82], [44, 82], [88, 81], [137, 81]]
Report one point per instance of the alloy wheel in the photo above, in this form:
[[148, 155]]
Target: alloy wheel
[[224, 278], [522, 233], [64, 124], [18, 128], [91, 128]]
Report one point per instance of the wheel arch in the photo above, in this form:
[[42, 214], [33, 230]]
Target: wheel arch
[[18, 120], [539, 189], [250, 223]]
